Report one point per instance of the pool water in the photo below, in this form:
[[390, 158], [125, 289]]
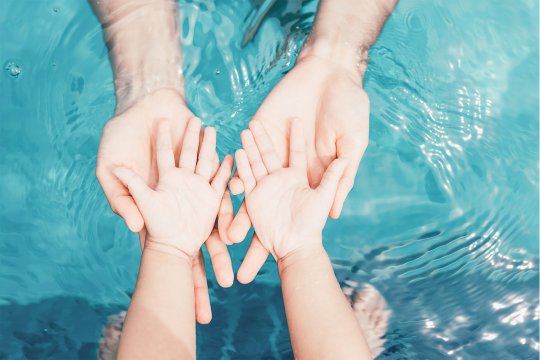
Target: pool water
[[443, 219]]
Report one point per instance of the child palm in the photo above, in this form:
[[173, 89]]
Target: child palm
[[181, 211], [286, 212]]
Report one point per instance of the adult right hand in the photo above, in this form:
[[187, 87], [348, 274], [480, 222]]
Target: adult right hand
[[128, 141]]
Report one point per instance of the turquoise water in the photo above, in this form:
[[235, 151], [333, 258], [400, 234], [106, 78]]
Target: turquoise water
[[443, 219]]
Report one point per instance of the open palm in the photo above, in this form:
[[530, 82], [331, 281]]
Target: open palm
[[286, 212], [333, 109], [181, 211], [128, 141]]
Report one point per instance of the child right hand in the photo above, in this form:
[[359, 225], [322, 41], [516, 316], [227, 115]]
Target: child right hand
[[287, 214], [180, 213]]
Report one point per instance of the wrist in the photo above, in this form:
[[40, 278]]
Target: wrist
[[144, 43], [166, 249], [301, 257], [340, 55]]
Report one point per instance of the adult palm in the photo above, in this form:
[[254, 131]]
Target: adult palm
[[333, 108], [128, 140]]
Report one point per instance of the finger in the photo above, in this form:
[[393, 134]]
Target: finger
[[236, 185], [135, 184], [225, 217], [215, 164], [120, 200], [265, 146], [220, 181], [164, 152], [206, 155], [330, 181], [240, 225], [221, 260], [253, 155], [190, 145], [350, 149], [297, 146], [255, 258], [203, 310], [244, 170]]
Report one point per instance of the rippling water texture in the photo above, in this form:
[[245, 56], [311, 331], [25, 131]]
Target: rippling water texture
[[443, 219]]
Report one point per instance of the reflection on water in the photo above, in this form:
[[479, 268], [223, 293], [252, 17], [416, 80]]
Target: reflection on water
[[443, 219]]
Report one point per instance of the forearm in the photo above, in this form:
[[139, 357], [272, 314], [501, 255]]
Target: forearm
[[344, 30], [321, 322], [144, 46], [161, 316]]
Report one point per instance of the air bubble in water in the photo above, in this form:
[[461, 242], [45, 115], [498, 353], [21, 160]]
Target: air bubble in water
[[13, 69]]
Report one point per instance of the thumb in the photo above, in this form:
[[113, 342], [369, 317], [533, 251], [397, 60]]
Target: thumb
[[350, 149], [135, 184], [236, 185], [330, 181], [120, 200]]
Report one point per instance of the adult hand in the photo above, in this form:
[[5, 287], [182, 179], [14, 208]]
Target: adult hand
[[127, 141], [333, 109]]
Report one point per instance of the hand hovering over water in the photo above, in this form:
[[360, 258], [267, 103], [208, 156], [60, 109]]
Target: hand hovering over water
[[324, 91], [179, 215], [287, 213], [143, 39], [288, 216]]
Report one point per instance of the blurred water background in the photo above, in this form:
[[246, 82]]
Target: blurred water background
[[443, 220]]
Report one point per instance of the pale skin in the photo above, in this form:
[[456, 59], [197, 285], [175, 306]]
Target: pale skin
[[324, 92], [288, 216], [179, 215], [143, 38]]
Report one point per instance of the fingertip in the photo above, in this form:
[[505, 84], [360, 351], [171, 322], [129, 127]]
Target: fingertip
[[225, 280], [204, 317], [126, 208], [244, 135], [210, 131], [335, 213], [135, 223], [239, 153], [236, 185], [234, 235], [245, 276]]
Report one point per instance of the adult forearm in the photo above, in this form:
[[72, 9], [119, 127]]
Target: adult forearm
[[161, 317], [345, 29], [144, 46], [321, 322]]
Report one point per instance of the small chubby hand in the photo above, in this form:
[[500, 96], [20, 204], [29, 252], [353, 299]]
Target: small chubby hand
[[180, 213], [286, 212]]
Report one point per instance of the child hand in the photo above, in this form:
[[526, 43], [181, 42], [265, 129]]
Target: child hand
[[286, 212], [180, 213]]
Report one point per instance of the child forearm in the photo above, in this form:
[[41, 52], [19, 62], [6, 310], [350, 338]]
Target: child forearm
[[322, 324], [161, 317]]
